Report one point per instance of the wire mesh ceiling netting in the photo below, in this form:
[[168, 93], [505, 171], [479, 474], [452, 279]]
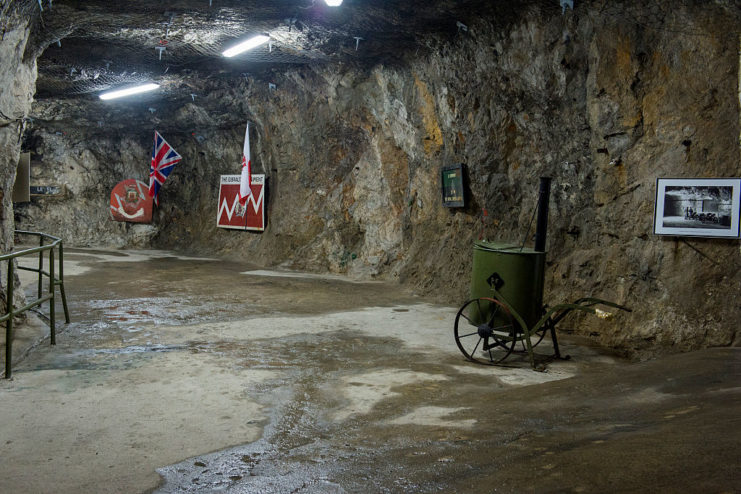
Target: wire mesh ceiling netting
[[109, 63], [97, 44], [107, 45]]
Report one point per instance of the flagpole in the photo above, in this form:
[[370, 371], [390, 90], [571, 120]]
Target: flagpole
[[245, 214], [246, 175], [248, 199]]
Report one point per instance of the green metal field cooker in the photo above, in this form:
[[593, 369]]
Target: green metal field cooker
[[506, 306]]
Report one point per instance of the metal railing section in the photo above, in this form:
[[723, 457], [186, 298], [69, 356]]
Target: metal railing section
[[46, 243]]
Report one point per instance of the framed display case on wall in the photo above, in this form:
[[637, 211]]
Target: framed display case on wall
[[451, 185]]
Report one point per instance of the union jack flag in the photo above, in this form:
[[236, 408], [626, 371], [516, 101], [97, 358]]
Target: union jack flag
[[164, 159]]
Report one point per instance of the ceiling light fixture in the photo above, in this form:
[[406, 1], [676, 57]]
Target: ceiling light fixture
[[246, 45], [128, 91], [333, 3]]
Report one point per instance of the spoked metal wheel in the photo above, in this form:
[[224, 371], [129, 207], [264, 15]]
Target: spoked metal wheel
[[485, 331], [537, 336]]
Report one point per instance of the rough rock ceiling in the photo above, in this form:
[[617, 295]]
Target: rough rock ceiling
[[88, 46], [97, 44]]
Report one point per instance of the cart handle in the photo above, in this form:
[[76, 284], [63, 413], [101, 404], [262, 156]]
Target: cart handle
[[585, 304]]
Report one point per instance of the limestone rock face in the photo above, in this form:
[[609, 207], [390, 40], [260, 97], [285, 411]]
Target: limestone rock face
[[17, 82], [353, 155], [655, 110]]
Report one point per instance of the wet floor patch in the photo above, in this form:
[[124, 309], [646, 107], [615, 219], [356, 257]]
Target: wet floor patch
[[302, 275], [79, 261], [522, 375], [364, 390], [457, 417], [250, 468]]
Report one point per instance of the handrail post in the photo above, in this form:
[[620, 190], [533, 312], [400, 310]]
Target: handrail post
[[41, 264], [53, 282], [61, 283], [9, 323], [51, 301]]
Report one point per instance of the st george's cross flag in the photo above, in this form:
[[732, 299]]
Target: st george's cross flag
[[245, 182], [164, 159]]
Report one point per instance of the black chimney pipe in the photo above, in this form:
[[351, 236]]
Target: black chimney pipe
[[541, 229]]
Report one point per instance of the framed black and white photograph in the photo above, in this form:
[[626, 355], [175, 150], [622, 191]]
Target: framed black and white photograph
[[697, 207]]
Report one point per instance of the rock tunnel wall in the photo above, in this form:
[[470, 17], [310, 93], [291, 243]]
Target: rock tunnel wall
[[17, 81], [602, 105]]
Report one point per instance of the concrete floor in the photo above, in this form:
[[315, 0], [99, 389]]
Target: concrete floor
[[193, 375]]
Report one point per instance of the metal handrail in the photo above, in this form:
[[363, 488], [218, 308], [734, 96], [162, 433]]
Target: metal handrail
[[11, 311]]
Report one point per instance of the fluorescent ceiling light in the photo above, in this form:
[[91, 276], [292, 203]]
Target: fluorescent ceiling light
[[246, 45], [128, 91], [333, 3]]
